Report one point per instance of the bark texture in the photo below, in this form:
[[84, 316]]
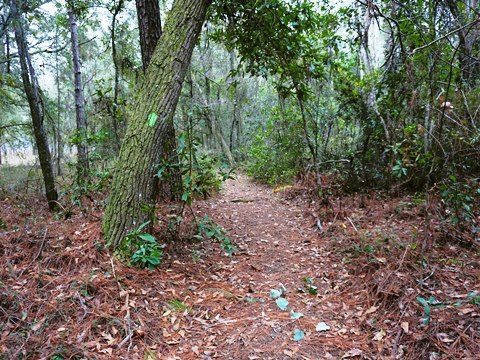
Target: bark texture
[[32, 93], [116, 9], [150, 28], [82, 159], [133, 193]]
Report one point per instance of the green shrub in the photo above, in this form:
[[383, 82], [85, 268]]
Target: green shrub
[[277, 152]]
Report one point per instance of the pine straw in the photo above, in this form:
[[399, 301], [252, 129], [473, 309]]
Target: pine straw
[[62, 294], [395, 257]]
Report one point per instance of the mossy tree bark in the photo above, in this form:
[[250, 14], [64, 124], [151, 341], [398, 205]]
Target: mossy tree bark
[[133, 193], [150, 31]]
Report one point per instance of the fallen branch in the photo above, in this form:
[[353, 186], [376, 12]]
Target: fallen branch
[[41, 246], [351, 222]]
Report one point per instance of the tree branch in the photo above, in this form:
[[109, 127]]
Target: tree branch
[[470, 24], [3, 127]]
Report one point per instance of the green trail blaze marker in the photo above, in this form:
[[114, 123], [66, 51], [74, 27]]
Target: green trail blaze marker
[[152, 119]]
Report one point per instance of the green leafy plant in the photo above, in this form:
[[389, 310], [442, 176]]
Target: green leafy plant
[[277, 295], [178, 305], [149, 253], [276, 153], [298, 335], [459, 198], [201, 174], [428, 305], [309, 287], [399, 169], [474, 298], [207, 227]]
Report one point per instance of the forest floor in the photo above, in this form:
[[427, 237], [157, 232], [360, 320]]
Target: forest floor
[[367, 277]]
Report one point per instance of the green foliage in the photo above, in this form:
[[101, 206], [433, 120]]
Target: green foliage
[[294, 55], [149, 253], [321, 326], [311, 289], [298, 335], [201, 174], [282, 303], [474, 298], [461, 200], [208, 228], [275, 294], [178, 305], [277, 152], [426, 308], [208, 175], [295, 315]]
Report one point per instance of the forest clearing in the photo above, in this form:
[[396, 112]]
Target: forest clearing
[[281, 179]]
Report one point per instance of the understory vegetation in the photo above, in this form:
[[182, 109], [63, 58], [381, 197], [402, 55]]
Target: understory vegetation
[[224, 147]]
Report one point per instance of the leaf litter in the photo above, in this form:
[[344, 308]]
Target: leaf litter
[[61, 294]]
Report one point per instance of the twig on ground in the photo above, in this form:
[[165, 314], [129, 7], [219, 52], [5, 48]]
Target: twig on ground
[[128, 325], [226, 322], [395, 345], [351, 222], [115, 275], [41, 246]]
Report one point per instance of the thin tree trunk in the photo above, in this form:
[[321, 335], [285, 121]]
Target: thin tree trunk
[[36, 108], [235, 131], [5, 47], [371, 96], [133, 192], [211, 120], [59, 142], [2, 49], [150, 28], [211, 142], [82, 157], [116, 82], [207, 68]]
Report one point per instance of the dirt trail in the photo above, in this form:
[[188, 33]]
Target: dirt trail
[[278, 247], [378, 294]]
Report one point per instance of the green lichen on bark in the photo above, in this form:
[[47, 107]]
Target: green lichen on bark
[[133, 192]]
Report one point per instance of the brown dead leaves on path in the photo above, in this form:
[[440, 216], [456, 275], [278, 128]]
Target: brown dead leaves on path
[[363, 285]]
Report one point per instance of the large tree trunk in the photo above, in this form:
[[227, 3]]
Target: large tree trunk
[[36, 109], [133, 193], [82, 159], [150, 29]]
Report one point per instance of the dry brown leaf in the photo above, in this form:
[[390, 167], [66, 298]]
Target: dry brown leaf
[[108, 351], [352, 353], [379, 335], [38, 325], [288, 353]]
